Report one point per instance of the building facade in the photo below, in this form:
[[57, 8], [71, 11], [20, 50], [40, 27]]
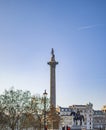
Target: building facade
[[104, 108], [87, 112], [99, 120], [67, 120]]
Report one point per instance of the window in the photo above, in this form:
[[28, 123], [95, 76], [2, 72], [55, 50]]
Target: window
[[65, 109], [62, 109]]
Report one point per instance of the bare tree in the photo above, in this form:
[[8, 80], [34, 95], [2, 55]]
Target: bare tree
[[18, 110], [31, 117], [12, 105], [34, 116]]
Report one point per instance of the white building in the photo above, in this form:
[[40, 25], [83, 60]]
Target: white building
[[85, 110], [99, 120], [65, 118], [104, 108]]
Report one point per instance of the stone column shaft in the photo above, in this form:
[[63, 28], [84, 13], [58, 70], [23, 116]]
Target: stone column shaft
[[52, 64]]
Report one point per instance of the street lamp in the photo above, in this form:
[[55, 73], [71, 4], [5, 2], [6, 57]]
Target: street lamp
[[45, 95]]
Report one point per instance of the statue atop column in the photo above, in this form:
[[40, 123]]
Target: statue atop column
[[52, 53]]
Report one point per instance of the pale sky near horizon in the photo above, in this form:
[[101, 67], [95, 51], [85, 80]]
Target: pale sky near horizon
[[76, 29]]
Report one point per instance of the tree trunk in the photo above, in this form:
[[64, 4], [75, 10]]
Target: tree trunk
[[12, 128]]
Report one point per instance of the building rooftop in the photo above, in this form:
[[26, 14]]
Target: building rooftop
[[98, 112]]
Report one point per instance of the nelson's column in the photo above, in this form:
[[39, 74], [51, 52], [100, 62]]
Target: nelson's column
[[52, 64]]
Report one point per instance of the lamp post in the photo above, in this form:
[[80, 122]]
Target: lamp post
[[45, 95]]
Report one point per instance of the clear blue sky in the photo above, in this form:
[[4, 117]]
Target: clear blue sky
[[76, 29]]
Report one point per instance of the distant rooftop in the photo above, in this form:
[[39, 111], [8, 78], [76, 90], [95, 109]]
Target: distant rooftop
[[98, 112]]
